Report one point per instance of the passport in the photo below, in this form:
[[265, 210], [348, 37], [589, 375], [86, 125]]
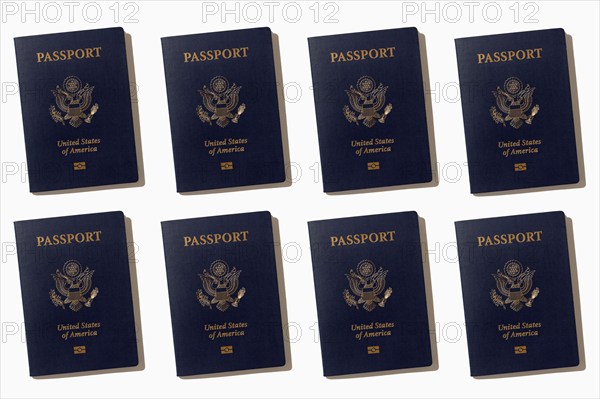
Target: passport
[[370, 290], [223, 291], [370, 109], [223, 109], [517, 110], [76, 107], [517, 293], [76, 291]]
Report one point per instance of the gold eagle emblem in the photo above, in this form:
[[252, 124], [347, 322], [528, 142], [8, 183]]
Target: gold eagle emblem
[[221, 284], [366, 99], [73, 283], [514, 101], [514, 284], [74, 99], [220, 99], [367, 285]]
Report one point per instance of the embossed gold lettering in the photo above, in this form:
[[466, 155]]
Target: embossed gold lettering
[[69, 54], [509, 238]]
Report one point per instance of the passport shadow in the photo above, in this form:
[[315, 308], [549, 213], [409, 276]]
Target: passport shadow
[[430, 316], [282, 295], [284, 319], [284, 134], [137, 320], [282, 111], [135, 113], [435, 181], [577, 311], [577, 127], [428, 295]]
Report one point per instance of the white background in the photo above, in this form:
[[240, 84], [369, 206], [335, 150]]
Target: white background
[[304, 200]]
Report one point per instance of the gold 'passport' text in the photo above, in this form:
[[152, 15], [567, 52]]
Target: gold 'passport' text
[[68, 238], [67, 55], [509, 238], [509, 55], [362, 238], [363, 54], [215, 238], [213, 55]]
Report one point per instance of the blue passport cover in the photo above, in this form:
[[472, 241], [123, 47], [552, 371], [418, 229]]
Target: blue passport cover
[[76, 291], [517, 110], [224, 294], [76, 106], [517, 293], [370, 290], [370, 108], [223, 108]]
